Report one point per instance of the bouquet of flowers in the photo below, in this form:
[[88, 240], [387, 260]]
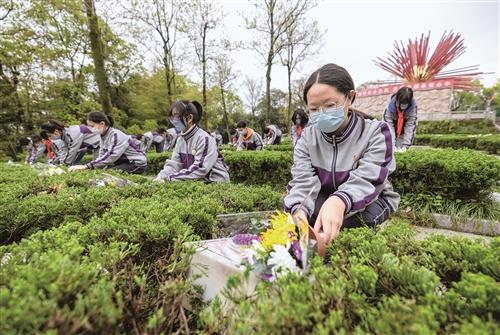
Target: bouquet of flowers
[[106, 179], [48, 169], [281, 245]]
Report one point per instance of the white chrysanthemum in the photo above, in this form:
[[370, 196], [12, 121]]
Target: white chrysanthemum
[[281, 262]]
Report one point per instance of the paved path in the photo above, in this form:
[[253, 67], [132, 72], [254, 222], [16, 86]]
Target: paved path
[[424, 232]]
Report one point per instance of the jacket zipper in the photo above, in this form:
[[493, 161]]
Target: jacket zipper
[[334, 162]]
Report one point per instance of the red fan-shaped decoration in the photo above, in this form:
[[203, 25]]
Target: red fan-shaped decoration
[[412, 64]]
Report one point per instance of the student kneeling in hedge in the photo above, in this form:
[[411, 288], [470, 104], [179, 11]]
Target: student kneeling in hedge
[[117, 150], [342, 161], [248, 138], [195, 156], [401, 115]]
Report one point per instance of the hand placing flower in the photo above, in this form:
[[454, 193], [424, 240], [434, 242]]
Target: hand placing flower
[[330, 218]]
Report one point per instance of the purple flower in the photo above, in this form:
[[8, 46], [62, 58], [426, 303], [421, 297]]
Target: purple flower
[[245, 239], [266, 276], [297, 251]]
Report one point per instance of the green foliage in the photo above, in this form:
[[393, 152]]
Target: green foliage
[[489, 143], [120, 269], [452, 174], [457, 127], [447, 173]]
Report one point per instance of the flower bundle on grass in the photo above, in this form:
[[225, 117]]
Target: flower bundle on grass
[[281, 246]]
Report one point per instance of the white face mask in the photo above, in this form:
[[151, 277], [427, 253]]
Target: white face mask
[[241, 132], [96, 130]]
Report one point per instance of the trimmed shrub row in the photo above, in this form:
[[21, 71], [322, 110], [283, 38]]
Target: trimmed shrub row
[[481, 126], [490, 143], [123, 272], [454, 174]]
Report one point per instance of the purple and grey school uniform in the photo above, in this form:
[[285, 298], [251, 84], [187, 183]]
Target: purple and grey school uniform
[[195, 157], [410, 123], [274, 136], [76, 140], [170, 139], [119, 151], [34, 152], [253, 142], [153, 137], [353, 165]]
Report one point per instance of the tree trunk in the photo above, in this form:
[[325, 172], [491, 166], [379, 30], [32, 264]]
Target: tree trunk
[[268, 88], [98, 56], [224, 110], [204, 70], [168, 74], [289, 114]]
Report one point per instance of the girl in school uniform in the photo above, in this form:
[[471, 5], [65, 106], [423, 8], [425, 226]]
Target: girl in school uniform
[[195, 156], [342, 162], [73, 142], [117, 150]]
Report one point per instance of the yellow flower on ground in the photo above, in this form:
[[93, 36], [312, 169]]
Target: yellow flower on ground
[[282, 230]]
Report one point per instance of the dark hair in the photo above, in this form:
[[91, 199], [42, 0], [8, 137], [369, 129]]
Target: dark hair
[[233, 132], [332, 75], [35, 138], [161, 131], [186, 107], [44, 134], [267, 130], [98, 117], [335, 76], [304, 118], [24, 141], [241, 124], [404, 95], [52, 125]]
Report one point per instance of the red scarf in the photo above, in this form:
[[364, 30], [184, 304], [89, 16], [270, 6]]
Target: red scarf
[[48, 146], [400, 123], [299, 131]]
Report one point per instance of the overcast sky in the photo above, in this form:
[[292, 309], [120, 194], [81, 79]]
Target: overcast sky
[[359, 31]]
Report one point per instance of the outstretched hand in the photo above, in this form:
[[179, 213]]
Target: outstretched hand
[[330, 219]]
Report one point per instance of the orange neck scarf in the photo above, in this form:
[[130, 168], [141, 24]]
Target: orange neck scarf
[[249, 134], [400, 123]]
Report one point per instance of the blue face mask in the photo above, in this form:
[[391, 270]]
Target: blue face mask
[[329, 120], [178, 124], [55, 137]]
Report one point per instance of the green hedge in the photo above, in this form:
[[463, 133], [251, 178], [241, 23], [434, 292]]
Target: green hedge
[[454, 174], [29, 202], [489, 143], [124, 270], [481, 126]]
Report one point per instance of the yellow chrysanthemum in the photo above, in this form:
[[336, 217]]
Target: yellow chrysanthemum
[[282, 230]]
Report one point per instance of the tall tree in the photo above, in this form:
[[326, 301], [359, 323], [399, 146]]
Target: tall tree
[[158, 27], [271, 21], [223, 76], [253, 94], [98, 56], [300, 41], [202, 17]]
